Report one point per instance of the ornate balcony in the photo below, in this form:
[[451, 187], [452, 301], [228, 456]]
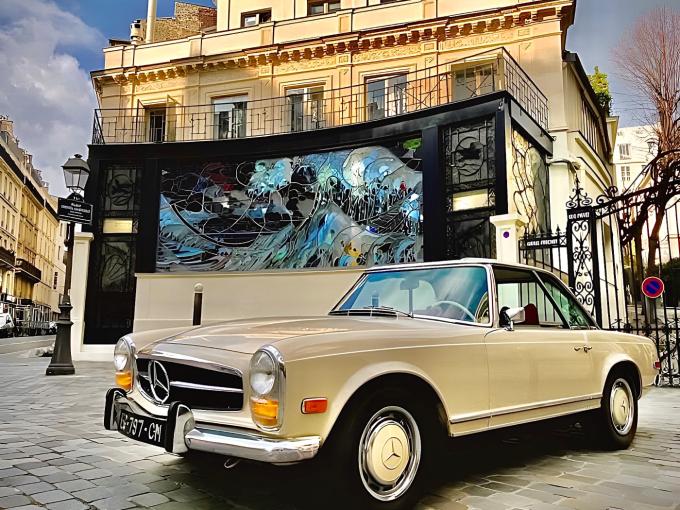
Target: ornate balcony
[[28, 270], [7, 258], [313, 108]]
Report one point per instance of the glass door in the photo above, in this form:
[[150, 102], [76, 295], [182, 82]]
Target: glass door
[[385, 96], [230, 117], [305, 108]]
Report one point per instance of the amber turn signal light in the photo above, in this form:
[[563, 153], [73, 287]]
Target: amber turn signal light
[[265, 411], [314, 405], [124, 380]]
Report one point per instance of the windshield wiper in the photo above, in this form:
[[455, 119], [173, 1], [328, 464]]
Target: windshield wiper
[[371, 310]]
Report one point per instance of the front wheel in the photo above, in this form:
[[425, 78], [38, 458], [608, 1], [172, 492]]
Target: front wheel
[[382, 449], [617, 418]]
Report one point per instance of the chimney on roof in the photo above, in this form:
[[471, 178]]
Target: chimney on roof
[[150, 20], [136, 32], [7, 125]]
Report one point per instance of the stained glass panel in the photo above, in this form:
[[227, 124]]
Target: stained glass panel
[[350, 207]]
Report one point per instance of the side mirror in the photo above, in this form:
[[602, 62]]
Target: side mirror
[[510, 316]]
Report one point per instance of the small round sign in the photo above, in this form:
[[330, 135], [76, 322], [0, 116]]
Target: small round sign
[[652, 287]]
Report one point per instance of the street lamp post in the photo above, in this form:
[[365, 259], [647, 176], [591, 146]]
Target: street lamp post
[[76, 173]]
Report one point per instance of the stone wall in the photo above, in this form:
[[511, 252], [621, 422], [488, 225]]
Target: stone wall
[[189, 19]]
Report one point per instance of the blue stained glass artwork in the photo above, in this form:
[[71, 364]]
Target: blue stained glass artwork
[[343, 208]]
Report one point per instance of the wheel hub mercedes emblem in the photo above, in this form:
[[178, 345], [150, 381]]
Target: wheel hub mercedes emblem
[[392, 453], [159, 381]]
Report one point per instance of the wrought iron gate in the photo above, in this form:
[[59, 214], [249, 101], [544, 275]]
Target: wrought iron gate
[[610, 245], [614, 243]]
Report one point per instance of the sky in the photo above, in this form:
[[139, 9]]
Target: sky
[[49, 47]]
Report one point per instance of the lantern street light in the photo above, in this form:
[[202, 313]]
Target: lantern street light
[[76, 173]]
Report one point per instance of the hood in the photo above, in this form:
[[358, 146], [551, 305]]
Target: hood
[[247, 336]]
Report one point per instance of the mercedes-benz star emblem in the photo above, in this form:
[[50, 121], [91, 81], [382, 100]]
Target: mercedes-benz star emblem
[[392, 453], [159, 381]]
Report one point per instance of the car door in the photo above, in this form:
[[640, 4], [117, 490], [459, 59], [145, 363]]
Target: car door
[[578, 319], [539, 367]]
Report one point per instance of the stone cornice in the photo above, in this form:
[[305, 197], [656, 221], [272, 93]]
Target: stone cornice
[[446, 30]]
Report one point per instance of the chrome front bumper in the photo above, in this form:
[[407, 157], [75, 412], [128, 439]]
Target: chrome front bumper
[[183, 433]]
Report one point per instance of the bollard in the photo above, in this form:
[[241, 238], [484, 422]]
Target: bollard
[[198, 304]]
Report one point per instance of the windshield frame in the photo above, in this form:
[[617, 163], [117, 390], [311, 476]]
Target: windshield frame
[[420, 267]]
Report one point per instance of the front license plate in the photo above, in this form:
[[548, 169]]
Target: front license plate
[[141, 428]]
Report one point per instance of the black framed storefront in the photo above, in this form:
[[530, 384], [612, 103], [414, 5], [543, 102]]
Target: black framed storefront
[[458, 158]]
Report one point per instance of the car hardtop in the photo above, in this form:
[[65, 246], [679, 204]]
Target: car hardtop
[[454, 263]]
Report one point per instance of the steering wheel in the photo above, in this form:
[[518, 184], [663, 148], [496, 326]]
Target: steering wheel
[[447, 303]]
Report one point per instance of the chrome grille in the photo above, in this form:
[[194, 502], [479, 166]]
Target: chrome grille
[[218, 389]]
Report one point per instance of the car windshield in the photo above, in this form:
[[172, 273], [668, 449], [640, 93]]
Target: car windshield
[[453, 293]]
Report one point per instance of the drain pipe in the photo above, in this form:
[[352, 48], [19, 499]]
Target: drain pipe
[[151, 20]]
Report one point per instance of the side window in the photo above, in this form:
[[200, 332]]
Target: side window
[[517, 288], [574, 314]]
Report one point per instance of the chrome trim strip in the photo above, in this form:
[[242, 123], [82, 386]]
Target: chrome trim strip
[[528, 407], [469, 417], [189, 360], [203, 387]]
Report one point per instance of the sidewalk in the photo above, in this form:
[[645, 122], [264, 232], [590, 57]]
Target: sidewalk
[[55, 454], [22, 343]]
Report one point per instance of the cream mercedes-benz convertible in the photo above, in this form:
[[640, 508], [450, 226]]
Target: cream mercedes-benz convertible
[[411, 355]]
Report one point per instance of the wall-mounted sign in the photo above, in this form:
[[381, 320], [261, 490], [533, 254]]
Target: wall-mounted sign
[[652, 287], [579, 214], [543, 241], [73, 210]]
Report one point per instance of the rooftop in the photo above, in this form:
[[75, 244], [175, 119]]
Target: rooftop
[[21, 155]]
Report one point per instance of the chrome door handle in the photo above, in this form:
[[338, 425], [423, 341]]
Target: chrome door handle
[[577, 348], [587, 348]]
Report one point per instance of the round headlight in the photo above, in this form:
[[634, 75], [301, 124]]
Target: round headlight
[[262, 373], [122, 355]]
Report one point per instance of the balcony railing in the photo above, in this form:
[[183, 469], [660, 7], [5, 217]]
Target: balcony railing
[[312, 108], [31, 272], [7, 258]]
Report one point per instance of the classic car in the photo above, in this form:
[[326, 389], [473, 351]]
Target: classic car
[[411, 355]]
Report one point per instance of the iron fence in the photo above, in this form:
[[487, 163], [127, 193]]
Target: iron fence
[[313, 107]]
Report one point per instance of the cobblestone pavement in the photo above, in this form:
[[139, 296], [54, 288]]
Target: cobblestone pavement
[[55, 454]]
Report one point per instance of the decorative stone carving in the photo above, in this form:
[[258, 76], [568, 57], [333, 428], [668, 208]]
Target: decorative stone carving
[[479, 40], [304, 65], [159, 85], [387, 53]]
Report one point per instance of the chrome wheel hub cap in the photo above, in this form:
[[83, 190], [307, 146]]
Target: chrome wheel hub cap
[[389, 453], [622, 407]]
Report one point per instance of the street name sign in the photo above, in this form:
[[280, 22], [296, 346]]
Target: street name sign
[[73, 210], [539, 243], [652, 287]]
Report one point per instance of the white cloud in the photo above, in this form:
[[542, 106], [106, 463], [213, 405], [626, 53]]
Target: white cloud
[[42, 87]]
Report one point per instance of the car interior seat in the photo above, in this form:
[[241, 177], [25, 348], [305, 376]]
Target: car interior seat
[[531, 315]]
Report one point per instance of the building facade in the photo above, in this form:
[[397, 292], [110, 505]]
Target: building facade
[[297, 135], [31, 237], [635, 147]]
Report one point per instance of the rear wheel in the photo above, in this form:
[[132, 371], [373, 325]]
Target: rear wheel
[[616, 420], [382, 449]]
